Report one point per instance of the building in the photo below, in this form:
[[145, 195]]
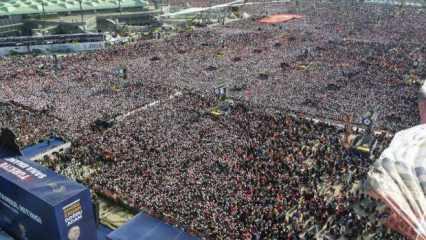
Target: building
[[47, 7], [10, 25], [29, 17]]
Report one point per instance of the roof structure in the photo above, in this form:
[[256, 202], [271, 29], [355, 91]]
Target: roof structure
[[17, 7], [145, 227]]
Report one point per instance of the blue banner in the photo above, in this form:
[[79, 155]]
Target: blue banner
[[38, 204], [145, 227]]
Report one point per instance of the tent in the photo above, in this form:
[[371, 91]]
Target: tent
[[279, 18], [398, 179]]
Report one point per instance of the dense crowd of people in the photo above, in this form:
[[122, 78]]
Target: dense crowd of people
[[30, 126], [304, 65], [257, 171], [249, 174]]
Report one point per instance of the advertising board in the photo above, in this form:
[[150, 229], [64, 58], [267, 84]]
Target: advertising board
[[38, 204]]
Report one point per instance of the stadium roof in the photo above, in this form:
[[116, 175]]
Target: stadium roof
[[17, 7]]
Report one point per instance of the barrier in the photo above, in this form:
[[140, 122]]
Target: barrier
[[45, 148]]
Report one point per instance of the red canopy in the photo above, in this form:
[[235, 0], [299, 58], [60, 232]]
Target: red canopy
[[279, 18]]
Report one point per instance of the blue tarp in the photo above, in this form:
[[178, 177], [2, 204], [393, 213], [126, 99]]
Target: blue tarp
[[42, 147], [145, 227]]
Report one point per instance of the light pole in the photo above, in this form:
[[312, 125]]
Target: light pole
[[42, 8], [80, 2]]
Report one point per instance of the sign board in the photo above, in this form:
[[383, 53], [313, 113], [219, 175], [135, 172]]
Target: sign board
[[36, 203]]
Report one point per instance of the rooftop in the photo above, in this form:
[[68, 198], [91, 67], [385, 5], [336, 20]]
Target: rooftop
[[16, 7]]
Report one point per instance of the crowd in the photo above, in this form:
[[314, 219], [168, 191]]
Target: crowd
[[29, 126], [257, 172], [80, 92], [288, 65], [249, 174]]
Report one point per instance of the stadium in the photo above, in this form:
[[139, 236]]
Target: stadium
[[233, 120], [25, 7], [21, 17]]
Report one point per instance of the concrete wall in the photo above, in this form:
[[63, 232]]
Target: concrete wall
[[67, 47], [9, 20], [10, 25]]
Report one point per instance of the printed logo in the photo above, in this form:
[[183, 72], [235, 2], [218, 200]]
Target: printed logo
[[74, 233], [73, 212]]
